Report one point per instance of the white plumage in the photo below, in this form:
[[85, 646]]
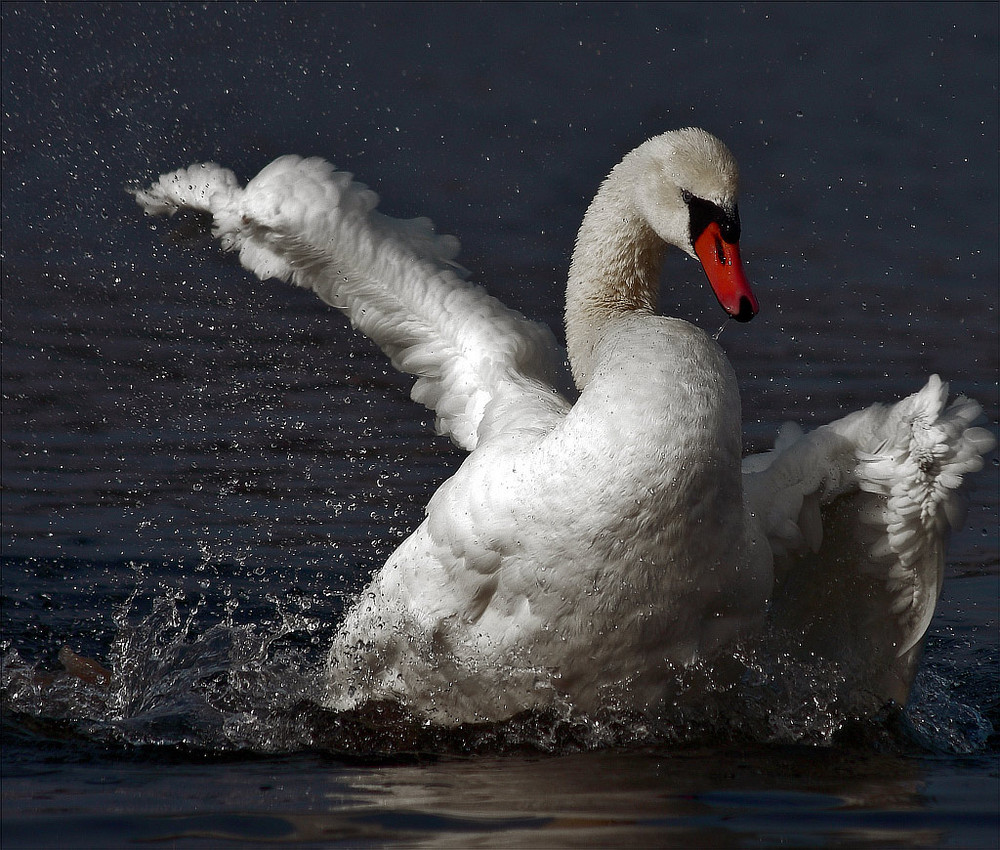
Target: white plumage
[[589, 550]]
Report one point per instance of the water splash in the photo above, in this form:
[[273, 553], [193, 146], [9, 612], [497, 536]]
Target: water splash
[[187, 673]]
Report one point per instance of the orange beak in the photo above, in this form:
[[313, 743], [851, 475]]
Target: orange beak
[[721, 262]]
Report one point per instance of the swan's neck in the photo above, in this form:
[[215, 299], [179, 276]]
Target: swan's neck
[[615, 270]]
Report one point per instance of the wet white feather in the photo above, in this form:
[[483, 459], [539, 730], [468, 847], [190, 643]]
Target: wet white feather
[[586, 552], [302, 221]]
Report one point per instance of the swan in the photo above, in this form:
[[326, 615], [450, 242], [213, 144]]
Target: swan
[[604, 540]]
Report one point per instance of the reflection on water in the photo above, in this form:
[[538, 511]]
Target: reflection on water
[[626, 796], [684, 797]]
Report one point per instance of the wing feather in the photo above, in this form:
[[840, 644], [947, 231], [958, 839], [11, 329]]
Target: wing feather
[[481, 367], [858, 513]]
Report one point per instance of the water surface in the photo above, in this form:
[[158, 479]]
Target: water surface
[[200, 469]]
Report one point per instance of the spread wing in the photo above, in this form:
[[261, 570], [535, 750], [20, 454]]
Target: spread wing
[[482, 368], [858, 513]]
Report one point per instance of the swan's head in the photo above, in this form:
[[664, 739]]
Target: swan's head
[[685, 185]]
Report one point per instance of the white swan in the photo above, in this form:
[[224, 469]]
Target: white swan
[[589, 553]]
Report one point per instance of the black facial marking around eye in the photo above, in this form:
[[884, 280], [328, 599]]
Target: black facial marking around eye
[[703, 213]]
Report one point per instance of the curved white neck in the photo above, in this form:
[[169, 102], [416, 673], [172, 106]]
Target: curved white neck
[[615, 270]]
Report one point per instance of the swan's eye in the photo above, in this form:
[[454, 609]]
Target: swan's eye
[[686, 196], [704, 212]]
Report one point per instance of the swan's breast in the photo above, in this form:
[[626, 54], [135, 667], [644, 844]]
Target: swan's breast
[[665, 383]]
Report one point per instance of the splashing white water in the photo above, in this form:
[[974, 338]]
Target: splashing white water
[[186, 674]]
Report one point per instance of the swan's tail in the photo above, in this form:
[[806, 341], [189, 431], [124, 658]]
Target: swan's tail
[[302, 221], [858, 514]]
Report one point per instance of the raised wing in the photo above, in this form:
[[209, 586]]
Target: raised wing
[[482, 368], [858, 513]]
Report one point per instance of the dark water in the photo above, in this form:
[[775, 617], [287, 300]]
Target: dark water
[[199, 468]]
